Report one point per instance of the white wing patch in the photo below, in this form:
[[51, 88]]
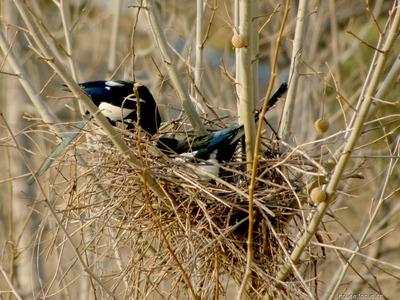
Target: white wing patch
[[188, 154], [210, 166], [114, 112], [114, 83]]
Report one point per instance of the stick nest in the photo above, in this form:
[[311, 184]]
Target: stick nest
[[196, 236]]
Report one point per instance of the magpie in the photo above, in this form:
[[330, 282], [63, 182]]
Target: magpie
[[214, 148], [116, 100]]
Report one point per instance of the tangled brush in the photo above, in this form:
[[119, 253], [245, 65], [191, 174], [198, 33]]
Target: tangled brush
[[195, 237]]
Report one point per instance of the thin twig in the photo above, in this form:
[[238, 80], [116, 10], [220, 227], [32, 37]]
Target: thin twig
[[91, 107], [256, 150], [14, 291], [336, 280], [160, 40], [54, 213], [112, 55], [364, 42], [198, 65], [244, 76], [349, 145], [294, 73], [38, 102]]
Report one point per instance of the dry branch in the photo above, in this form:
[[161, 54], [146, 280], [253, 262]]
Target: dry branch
[[339, 276], [112, 56], [255, 161], [38, 102], [198, 65], [42, 44], [244, 76], [349, 145], [294, 73], [160, 40]]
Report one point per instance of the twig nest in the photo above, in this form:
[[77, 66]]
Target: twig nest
[[207, 207], [321, 126], [239, 41], [317, 195]]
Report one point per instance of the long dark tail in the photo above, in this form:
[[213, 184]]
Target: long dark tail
[[274, 98], [279, 93], [237, 131], [271, 102]]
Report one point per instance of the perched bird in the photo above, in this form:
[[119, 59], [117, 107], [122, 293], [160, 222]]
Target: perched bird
[[214, 148], [117, 101]]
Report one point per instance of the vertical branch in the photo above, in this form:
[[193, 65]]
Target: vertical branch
[[255, 53], [160, 40], [236, 31], [244, 76], [237, 74], [198, 66], [367, 80], [25, 275], [348, 147], [287, 115], [10, 284], [112, 55], [132, 42], [334, 38], [254, 164], [66, 21]]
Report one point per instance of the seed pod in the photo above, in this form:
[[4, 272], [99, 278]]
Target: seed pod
[[317, 195], [239, 41], [321, 126]]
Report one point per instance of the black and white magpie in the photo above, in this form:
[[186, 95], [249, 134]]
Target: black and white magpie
[[117, 101], [212, 149]]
